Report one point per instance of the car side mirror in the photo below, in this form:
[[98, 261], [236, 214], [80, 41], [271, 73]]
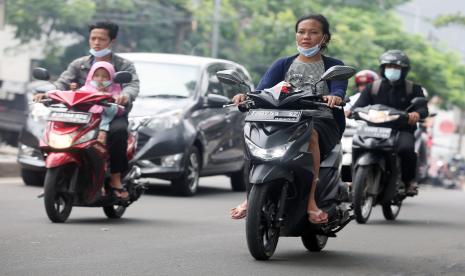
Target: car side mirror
[[218, 101], [122, 77], [41, 74]]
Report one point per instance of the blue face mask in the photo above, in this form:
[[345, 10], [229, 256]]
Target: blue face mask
[[100, 53], [310, 52], [392, 74]]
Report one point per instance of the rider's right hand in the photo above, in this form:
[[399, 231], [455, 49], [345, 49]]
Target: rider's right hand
[[238, 99], [38, 97]]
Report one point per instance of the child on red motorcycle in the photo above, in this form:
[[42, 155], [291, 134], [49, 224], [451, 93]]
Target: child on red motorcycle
[[100, 80]]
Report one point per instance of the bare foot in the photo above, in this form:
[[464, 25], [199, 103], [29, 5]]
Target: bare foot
[[240, 211], [317, 216], [102, 137]]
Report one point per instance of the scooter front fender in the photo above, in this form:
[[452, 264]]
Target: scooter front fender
[[55, 159], [369, 158], [264, 173]]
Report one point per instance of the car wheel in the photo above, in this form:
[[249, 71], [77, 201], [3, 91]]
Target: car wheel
[[33, 178], [187, 184], [239, 180]]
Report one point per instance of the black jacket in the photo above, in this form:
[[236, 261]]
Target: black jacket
[[392, 95]]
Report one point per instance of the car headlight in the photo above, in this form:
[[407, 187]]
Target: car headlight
[[39, 112], [171, 160], [268, 154], [136, 122], [378, 116], [165, 120]]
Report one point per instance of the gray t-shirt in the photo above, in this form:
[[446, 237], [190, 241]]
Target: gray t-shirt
[[303, 75]]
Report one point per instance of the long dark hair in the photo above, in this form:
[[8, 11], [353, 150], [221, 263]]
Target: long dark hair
[[324, 24]]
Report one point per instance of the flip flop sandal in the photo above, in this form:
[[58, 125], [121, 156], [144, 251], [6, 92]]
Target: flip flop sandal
[[120, 190]]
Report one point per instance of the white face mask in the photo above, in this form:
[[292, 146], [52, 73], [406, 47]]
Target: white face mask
[[100, 53], [392, 74], [310, 52]]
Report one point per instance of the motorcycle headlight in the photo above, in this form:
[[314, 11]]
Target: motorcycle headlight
[[60, 141], [165, 120], [268, 154], [378, 116]]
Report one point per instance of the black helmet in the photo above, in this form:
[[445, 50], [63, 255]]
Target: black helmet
[[395, 57]]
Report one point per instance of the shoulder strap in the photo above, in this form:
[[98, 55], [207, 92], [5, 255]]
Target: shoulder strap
[[408, 87], [375, 87]]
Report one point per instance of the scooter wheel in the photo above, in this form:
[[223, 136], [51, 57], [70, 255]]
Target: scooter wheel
[[114, 211]]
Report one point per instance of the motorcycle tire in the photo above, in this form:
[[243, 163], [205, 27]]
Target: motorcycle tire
[[314, 242], [391, 210], [362, 203], [114, 211], [262, 236], [58, 205], [188, 183]]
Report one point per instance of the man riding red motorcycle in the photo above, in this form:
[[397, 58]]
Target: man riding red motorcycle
[[76, 162]]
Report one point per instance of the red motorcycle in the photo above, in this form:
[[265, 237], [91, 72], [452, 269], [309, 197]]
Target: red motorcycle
[[77, 163]]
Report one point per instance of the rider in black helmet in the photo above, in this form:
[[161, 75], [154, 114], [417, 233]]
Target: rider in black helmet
[[395, 91]]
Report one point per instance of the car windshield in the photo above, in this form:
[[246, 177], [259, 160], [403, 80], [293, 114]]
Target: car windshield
[[166, 80]]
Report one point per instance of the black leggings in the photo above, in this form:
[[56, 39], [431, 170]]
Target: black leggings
[[117, 140]]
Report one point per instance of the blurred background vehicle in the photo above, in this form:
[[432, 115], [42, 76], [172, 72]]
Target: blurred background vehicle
[[14, 109], [184, 131]]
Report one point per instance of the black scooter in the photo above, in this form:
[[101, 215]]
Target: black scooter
[[277, 132], [376, 166]]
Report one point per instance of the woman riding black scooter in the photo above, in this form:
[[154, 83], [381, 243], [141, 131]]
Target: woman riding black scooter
[[305, 68]]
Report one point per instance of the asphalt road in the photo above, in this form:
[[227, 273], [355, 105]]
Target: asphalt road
[[165, 235]]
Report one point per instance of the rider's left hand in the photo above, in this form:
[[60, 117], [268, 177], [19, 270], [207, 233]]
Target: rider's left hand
[[413, 118], [332, 101], [121, 99]]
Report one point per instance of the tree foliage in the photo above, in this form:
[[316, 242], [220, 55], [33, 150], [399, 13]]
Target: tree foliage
[[253, 33], [449, 19]]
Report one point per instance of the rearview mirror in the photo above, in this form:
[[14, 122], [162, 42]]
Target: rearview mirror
[[122, 77], [338, 72], [40, 74], [419, 101], [230, 77], [214, 100]]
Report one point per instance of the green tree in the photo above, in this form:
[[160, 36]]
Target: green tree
[[449, 19]]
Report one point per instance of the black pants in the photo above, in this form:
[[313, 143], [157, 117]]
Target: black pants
[[406, 151], [117, 140]]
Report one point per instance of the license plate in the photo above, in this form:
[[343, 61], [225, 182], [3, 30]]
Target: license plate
[[278, 116], [375, 132], [69, 117]]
